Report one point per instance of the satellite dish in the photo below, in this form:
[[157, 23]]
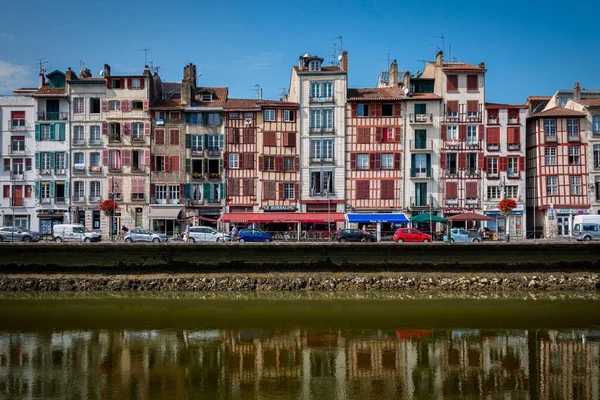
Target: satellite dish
[[101, 73], [405, 90], [307, 55], [340, 57]]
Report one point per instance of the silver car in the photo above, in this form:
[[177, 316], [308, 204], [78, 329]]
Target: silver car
[[205, 234], [144, 235], [17, 234]]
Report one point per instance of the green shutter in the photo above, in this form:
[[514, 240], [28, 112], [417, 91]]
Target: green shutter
[[52, 131], [38, 134], [52, 189], [428, 161], [188, 165], [206, 191], [187, 118], [52, 160], [221, 166], [38, 190], [188, 141], [221, 142], [187, 191], [66, 160], [205, 141], [412, 165], [61, 132], [66, 189], [221, 190], [37, 160]]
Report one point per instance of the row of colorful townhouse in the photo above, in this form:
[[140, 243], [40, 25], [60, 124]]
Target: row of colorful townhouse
[[174, 153]]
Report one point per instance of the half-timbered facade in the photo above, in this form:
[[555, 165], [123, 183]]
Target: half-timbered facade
[[462, 87], [374, 173], [126, 158], [504, 152], [557, 174]]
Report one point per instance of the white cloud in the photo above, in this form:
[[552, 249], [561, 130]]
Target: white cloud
[[261, 60], [6, 36], [13, 76]]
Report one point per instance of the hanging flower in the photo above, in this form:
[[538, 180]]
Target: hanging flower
[[506, 206], [107, 206]]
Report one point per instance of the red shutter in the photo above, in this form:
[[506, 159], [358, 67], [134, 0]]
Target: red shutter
[[279, 164], [167, 163], [181, 190], [371, 161], [503, 163], [378, 110], [377, 160], [146, 157], [152, 189], [291, 139], [472, 82], [159, 136], [152, 162], [126, 157], [251, 161], [105, 157], [397, 159], [105, 128], [354, 110], [147, 128], [472, 106], [443, 132], [480, 161], [145, 103], [521, 163], [109, 83], [297, 163], [281, 190], [443, 160], [471, 190], [296, 191], [485, 163], [126, 128], [352, 161], [510, 135], [104, 105], [462, 132], [366, 189], [397, 110], [452, 83], [480, 131], [129, 83], [261, 163], [142, 83], [493, 135], [451, 190], [462, 160], [174, 137], [379, 135], [175, 167], [397, 132], [284, 139]]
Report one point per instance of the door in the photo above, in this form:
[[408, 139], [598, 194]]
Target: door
[[563, 226], [77, 234], [18, 196], [420, 139], [420, 194], [203, 234], [414, 235], [211, 235], [52, 108]]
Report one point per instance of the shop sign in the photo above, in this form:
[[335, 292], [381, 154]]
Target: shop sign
[[493, 206], [576, 211], [279, 208], [51, 212], [209, 211]]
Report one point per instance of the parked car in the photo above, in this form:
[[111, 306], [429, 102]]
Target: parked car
[[74, 233], [253, 235], [354, 235], [205, 234], [410, 235], [144, 235], [10, 233], [461, 235], [587, 231]]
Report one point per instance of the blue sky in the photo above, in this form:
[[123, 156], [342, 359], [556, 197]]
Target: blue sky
[[529, 48]]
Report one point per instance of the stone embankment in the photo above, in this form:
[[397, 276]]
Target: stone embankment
[[344, 283]]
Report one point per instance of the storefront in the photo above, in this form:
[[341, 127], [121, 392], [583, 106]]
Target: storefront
[[564, 219], [163, 219], [49, 218], [516, 221], [379, 222]]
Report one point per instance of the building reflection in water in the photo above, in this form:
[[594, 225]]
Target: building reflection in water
[[300, 364]]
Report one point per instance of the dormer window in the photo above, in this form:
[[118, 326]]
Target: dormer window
[[206, 96], [314, 65]]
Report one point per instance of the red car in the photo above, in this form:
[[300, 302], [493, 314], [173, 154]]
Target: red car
[[410, 235]]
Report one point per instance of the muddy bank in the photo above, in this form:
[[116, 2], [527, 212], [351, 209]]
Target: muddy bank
[[321, 283]]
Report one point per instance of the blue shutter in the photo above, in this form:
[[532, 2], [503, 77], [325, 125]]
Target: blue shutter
[[52, 131], [37, 160], [221, 190], [38, 134], [52, 189], [187, 191], [205, 191], [38, 190], [52, 160], [61, 132], [66, 189]]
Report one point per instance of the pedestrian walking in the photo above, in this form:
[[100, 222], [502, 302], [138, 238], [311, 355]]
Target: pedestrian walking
[[234, 233]]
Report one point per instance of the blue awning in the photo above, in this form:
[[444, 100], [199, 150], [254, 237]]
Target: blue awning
[[374, 218]]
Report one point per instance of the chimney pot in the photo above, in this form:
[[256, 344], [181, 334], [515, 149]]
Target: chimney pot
[[106, 70], [42, 79], [439, 59], [393, 74], [577, 92], [345, 61]]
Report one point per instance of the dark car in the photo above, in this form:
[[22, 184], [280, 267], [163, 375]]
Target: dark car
[[253, 235], [354, 235], [14, 233]]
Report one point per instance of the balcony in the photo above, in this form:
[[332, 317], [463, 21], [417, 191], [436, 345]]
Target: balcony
[[451, 202], [493, 146], [17, 149], [17, 176], [114, 138], [513, 146], [60, 199], [60, 171], [321, 193], [492, 121], [421, 145], [95, 169], [197, 176], [46, 200], [420, 173], [212, 177], [78, 199], [573, 137], [452, 173], [78, 142], [418, 202], [323, 161], [94, 142], [426, 118], [17, 125], [213, 201], [52, 116], [79, 168], [513, 121], [114, 169], [115, 196], [472, 173], [137, 139], [213, 151], [550, 138], [473, 144], [138, 170], [473, 117], [324, 129], [513, 174], [322, 99], [472, 203], [45, 171], [493, 174], [95, 199], [453, 143], [197, 151]]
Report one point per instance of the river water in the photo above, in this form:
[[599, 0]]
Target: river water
[[299, 346]]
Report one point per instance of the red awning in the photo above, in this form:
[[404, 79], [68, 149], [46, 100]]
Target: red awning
[[281, 217]]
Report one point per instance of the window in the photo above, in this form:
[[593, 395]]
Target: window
[[159, 136], [45, 190], [95, 160], [114, 105], [452, 132], [596, 124], [421, 164], [550, 129], [137, 189], [573, 128], [160, 192], [206, 96], [472, 82], [137, 105], [269, 163], [387, 110], [451, 163], [214, 119], [288, 191], [114, 160], [314, 65], [78, 105], [137, 130], [472, 108], [472, 137], [94, 105], [575, 185], [95, 190], [513, 166], [196, 142], [362, 189], [135, 84], [289, 115], [159, 164], [269, 190], [44, 132], [234, 160], [115, 132], [321, 118], [363, 110], [79, 190], [552, 185], [597, 156], [17, 144], [174, 137], [321, 182], [363, 135], [387, 161], [321, 149], [288, 164], [362, 161], [493, 193], [45, 161], [249, 115], [573, 155], [17, 119], [452, 109], [511, 192], [94, 134], [492, 166], [78, 162], [321, 90], [387, 189], [269, 139], [471, 163], [550, 155], [269, 115], [451, 83], [387, 135], [234, 115], [174, 192]]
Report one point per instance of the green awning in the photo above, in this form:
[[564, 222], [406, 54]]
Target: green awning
[[427, 217]]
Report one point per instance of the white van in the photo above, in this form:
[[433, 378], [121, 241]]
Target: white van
[[586, 227], [74, 233]]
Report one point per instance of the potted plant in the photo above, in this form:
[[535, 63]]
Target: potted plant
[[107, 206], [506, 207], [196, 175]]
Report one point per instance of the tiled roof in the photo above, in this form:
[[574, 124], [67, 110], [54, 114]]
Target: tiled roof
[[497, 106], [167, 104], [373, 94], [324, 69], [278, 103], [558, 112], [423, 96], [539, 98], [237, 104], [219, 97], [47, 91], [461, 67], [590, 102]]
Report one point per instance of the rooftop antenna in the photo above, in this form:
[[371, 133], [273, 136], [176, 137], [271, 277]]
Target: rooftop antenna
[[145, 50], [443, 41], [258, 90], [42, 62], [388, 60], [337, 50], [283, 92], [155, 68]]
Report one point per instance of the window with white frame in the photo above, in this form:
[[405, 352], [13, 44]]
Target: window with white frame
[[269, 115], [573, 155], [234, 160], [78, 162], [78, 105], [206, 96], [493, 193], [289, 115], [472, 134], [550, 155], [174, 192], [114, 105], [61, 160], [314, 65], [321, 182], [321, 149], [248, 115], [94, 159], [78, 134], [214, 142], [161, 192], [597, 156], [137, 130], [492, 167], [550, 129], [387, 161], [552, 185], [44, 132], [234, 115], [45, 190], [196, 142], [94, 134], [321, 118], [45, 160], [452, 132], [321, 90], [575, 185], [78, 190], [362, 161], [136, 84], [95, 189], [513, 165], [511, 192], [596, 124], [288, 191], [573, 128]]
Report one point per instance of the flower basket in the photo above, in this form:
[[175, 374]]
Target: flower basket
[[506, 206], [107, 206]]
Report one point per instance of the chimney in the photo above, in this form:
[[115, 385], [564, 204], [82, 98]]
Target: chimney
[[70, 75], [260, 94], [193, 76], [147, 71], [345, 60], [301, 63], [407, 81], [42, 79], [393, 74], [439, 59], [185, 90], [106, 70], [577, 92]]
